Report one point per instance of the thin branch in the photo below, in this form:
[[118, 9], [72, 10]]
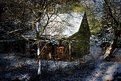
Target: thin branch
[[14, 31]]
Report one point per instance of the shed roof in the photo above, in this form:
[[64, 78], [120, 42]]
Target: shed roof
[[61, 25], [65, 24]]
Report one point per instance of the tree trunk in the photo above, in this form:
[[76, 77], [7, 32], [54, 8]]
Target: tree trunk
[[39, 61], [116, 30]]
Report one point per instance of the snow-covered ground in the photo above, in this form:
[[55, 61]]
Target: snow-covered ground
[[95, 69], [106, 71], [12, 67], [102, 70]]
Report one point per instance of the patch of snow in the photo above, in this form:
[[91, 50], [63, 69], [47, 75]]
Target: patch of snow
[[111, 71], [24, 77], [104, 71], [23, 68]]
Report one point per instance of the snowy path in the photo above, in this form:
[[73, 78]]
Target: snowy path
[[107, 70], [104, 72]]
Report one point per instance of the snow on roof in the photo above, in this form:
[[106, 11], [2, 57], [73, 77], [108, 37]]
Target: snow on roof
[[65, 24], [60, 25]]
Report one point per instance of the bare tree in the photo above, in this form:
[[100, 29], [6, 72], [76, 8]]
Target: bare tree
[[112, 10], [43, 13]]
